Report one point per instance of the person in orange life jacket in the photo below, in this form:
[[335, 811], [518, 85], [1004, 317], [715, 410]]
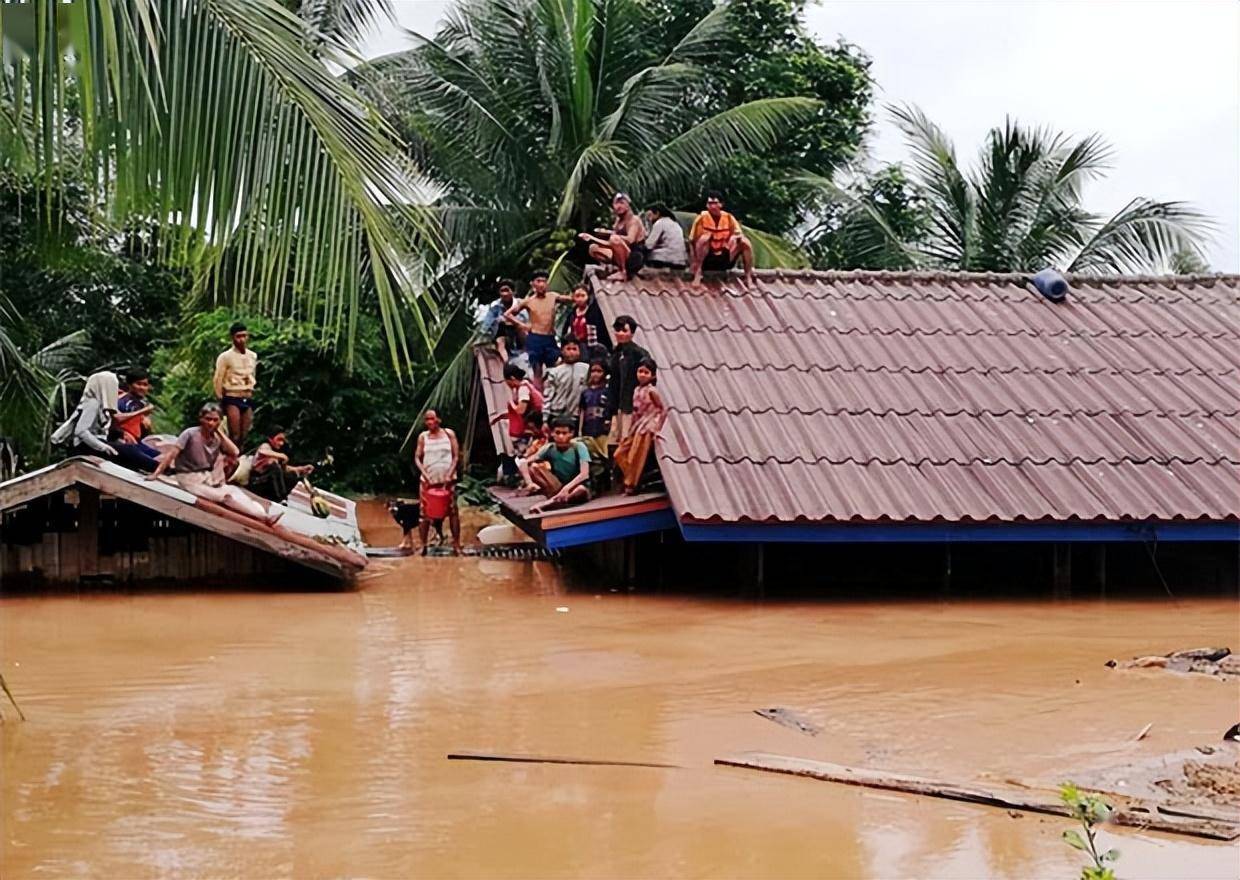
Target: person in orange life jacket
[[716, 241], [436, 459]]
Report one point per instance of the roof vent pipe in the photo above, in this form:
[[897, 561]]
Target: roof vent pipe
[[1051, 285]]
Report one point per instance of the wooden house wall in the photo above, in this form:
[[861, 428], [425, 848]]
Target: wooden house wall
[[76, 536]]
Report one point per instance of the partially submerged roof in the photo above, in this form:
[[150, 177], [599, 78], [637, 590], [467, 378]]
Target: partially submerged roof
[[864, 397], [600, 519], [330, 545]]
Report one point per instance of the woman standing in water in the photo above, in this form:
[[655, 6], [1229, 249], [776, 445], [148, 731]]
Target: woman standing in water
[[648, 415], [196, 452]]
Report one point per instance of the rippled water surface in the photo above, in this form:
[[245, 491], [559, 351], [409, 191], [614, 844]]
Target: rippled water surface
[[261, 735]]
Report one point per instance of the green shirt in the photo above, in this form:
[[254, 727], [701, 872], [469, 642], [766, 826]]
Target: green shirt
[[565, 465]]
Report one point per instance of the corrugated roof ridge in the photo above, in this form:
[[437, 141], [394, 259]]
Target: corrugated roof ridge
[[984, 461], [831, 330], [941, 275], [962, 410], [957, 371]]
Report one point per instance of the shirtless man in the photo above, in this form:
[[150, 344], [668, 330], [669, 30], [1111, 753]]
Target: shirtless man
[[622, 244], [540, 345]]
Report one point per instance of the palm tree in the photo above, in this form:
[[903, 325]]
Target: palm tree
[[33, 387], [531, 113], [222, 122], [1020, 208]]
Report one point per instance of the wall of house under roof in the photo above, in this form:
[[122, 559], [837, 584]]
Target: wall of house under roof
[[74, 537]]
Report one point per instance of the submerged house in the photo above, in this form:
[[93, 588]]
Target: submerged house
[[86, 520], [861, 407]]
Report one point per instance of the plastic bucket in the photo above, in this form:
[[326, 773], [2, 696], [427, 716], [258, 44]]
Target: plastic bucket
[[437, 502]]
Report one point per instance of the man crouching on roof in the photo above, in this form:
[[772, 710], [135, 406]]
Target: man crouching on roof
[[564, 481]]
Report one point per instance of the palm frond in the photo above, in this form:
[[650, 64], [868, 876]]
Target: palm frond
[[681, 164], [774, 251], [876, 233], [347, 20], [222, 121], [934, 158], [1143, 234]]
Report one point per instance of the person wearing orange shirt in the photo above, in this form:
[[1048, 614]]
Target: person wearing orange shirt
[[717, 241]]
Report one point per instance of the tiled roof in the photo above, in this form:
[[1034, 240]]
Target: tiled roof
[[943, 397]]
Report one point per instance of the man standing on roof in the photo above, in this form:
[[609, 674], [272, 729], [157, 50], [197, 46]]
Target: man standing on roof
[[508, 336], [540, 345], [235, 379], [623, 382], [717, 240], [622, 245]]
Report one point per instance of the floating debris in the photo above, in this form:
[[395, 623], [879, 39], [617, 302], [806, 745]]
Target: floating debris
[[790, 719], [1206, 661]]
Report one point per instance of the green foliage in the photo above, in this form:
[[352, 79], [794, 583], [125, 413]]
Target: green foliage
[[361, 415], [60, 277], [531, 113], [1091, 811], [1020, 207], [224, 124], [861, 230], [767, 52]]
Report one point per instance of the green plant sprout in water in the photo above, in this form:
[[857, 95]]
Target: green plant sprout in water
[[1091, 810]]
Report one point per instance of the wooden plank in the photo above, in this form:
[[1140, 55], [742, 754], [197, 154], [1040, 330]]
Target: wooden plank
[[574, 516], [1128, 811], [88, 531], [551, 759]]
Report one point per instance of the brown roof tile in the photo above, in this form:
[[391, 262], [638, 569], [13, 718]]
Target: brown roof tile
[[944, 397]]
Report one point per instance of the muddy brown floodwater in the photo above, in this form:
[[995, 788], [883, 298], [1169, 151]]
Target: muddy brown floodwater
[[265, 735]]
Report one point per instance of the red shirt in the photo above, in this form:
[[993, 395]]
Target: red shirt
[[516, 420]]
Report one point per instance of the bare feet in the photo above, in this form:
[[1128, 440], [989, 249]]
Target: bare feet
[[621, 275], [456, 549], [749, 280], [530, 490], [697, 280]]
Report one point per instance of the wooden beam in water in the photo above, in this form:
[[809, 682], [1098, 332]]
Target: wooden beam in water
[[552, 759], [1128, 811]]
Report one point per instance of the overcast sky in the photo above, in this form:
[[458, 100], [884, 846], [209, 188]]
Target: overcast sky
[[1159, 79]]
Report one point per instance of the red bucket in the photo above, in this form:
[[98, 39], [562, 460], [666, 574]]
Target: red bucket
[[436, 502]]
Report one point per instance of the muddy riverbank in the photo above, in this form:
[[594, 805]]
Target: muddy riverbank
[[266, 735]]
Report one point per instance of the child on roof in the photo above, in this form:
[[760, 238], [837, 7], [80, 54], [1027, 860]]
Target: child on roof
[[592, 427], [564, 383], [649, 413], [584, 322]]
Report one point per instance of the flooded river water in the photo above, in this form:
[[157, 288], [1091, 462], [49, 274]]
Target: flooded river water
[[270, 735]]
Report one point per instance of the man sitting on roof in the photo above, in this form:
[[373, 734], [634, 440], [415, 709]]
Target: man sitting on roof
[[717, 240], [622, 245], [566, 479], [665, 243]]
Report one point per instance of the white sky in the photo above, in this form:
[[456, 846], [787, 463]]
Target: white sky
[[1159, 79]]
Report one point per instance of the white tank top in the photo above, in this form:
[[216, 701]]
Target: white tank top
[[437, 458]]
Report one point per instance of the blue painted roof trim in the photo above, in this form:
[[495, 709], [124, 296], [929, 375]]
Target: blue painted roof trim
[[609, 529], [832, 533]]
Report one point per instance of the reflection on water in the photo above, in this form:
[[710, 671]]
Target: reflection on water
[[304, 735]]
